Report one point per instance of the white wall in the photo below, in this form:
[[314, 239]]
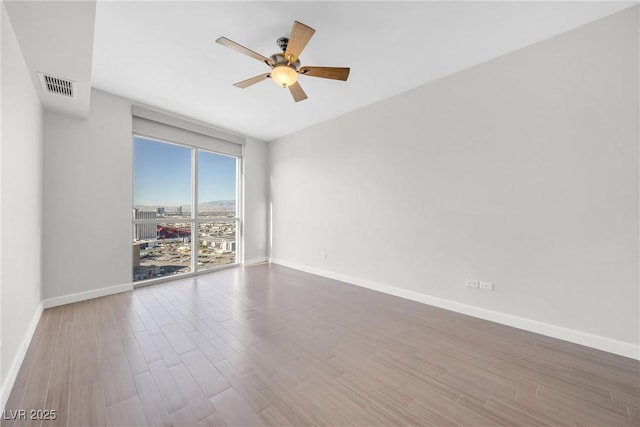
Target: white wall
[[522, 171], [88, 196], [255, 201], [2, 376], [21, 212]]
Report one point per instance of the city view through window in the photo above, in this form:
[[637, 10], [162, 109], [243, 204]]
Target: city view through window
[[170, 236]]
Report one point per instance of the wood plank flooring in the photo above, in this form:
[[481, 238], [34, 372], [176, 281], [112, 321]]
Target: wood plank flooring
[[267, 345]]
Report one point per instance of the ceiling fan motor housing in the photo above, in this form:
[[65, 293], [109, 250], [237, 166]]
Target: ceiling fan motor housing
[[279, 59]]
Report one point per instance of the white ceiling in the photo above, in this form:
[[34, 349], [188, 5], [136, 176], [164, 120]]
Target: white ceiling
[[57, 39], [163, 54]]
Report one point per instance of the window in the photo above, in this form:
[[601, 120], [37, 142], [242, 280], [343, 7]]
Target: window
[[185, 209]]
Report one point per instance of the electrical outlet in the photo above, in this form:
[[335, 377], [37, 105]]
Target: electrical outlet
[[486, 285], [471, 283]]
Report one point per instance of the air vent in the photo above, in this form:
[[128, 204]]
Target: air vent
[[57, 85]]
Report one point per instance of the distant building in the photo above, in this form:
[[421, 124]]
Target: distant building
[[222, 245], [160, 211], [145, 231], [228, 246], [165, 232], [145, 272]]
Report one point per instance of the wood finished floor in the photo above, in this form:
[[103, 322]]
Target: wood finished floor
[[267, 345]]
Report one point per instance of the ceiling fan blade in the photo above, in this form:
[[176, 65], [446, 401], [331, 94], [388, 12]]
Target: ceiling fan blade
[[239, 48], [253, 80], [300, 36], [336, 73], [297, 92]]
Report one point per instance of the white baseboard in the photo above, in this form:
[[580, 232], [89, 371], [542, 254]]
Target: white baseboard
[[578, 337], [16, 363], [255, 261], [82, 296]]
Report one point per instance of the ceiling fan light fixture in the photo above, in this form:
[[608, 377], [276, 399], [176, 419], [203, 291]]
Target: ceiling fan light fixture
[[284, 75], [285, 66]]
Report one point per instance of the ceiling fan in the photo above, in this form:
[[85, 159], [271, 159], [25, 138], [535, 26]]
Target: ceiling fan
[[285, 66]]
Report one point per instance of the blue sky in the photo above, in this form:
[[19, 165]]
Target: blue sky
[[162, 174]]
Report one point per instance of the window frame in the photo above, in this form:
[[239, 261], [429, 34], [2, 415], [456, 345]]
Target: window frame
[[195, 220]]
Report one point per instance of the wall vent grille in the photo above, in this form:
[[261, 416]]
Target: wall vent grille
[[57, 85]]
